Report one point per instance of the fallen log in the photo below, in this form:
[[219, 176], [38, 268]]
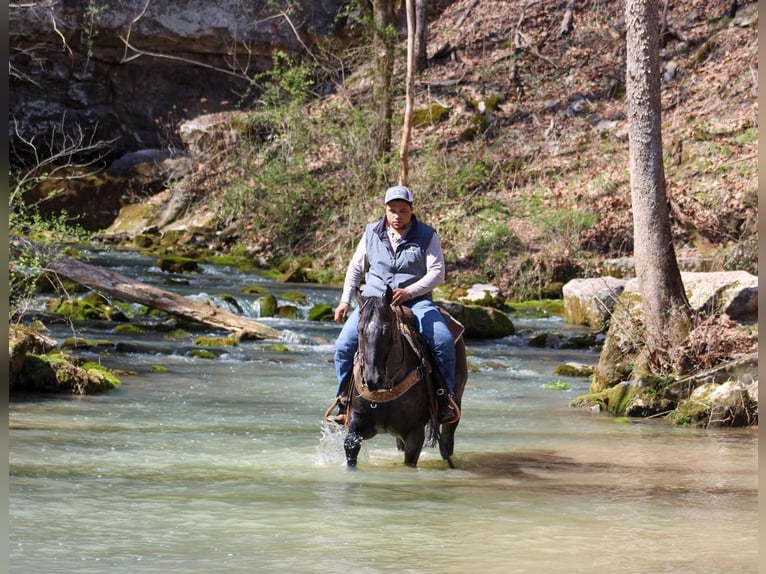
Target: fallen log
[[123, 287]]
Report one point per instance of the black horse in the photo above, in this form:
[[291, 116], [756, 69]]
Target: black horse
[[392, 386]]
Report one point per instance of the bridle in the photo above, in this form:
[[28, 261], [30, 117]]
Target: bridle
[[400, 382]]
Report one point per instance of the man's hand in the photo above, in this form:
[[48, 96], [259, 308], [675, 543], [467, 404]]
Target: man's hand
[[341, 312], [400, 297]]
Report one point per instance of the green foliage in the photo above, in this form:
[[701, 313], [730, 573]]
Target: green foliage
[[89, 32], [35, 241], [496, 243]]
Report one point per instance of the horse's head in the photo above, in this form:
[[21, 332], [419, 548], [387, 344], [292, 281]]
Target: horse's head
[[377, 338]]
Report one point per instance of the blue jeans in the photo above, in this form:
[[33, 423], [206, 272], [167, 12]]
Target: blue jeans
[[431, 325]]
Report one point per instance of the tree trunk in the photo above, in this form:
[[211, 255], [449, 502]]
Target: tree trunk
[[404, 148], [383, 69], [125, 288], [665, 307], [421, 35]]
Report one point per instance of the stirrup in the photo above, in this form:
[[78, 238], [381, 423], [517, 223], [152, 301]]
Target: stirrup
[[449, 403], [342, 417]]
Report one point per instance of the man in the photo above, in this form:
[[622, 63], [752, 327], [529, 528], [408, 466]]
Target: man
[[400, 251]]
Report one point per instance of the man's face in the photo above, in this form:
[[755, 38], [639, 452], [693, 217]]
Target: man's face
[[398, 214]]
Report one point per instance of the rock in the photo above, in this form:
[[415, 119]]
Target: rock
[[484, 295], [591, 301], [573, 369], [99, 85], [23, 341], [480, 322], [719, 405], [203, 133]]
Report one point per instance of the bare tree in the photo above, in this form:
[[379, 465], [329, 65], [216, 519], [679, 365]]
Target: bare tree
[[404, 148], [664, 303], [421, 35], [383, 66]]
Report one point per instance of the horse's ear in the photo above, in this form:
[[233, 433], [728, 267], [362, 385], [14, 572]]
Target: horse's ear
[[389, 295]]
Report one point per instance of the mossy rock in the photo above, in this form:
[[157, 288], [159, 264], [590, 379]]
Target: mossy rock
[[254, 290], [573, 370], [100, 379], [177, 264], [294, 297], [78, 310], [321, 312], [268, 305], [480, 322], [278, 347], [202, 354], [158, 369], [128, 329], [429, 115], [83, 343], [287, 312], [589, 400], [206, 341], [57, 372]]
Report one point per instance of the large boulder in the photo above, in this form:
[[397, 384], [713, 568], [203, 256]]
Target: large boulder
[[480, 322], [591, 301]]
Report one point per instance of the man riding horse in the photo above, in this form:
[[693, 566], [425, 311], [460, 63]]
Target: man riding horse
[[404, 253]]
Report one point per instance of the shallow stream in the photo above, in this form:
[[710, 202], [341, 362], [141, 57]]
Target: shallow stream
[[225, 465]]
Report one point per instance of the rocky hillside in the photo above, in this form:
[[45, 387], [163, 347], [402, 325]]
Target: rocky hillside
[[519, 157]]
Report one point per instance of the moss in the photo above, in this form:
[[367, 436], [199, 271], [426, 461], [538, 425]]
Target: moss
[[294, 297], [128, 329], [78, 310], [177, 264], [100, 378], [57, 372], [589, 400], [177, 334], [618, 397], [556, 386], [429, 115], [254, 290], [321, 313], [84, 343], [277, 347], [158, 369], [268, 305]]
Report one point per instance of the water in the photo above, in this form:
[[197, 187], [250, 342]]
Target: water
[[226, 466]]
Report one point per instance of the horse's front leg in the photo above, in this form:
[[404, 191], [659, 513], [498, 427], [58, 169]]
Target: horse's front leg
[[352, 444], [353, 441]]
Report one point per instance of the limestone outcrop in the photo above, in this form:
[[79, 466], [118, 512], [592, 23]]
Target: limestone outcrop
[[131, 71]]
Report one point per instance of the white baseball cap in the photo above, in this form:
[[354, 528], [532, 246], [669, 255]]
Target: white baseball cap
[[398, 192]]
